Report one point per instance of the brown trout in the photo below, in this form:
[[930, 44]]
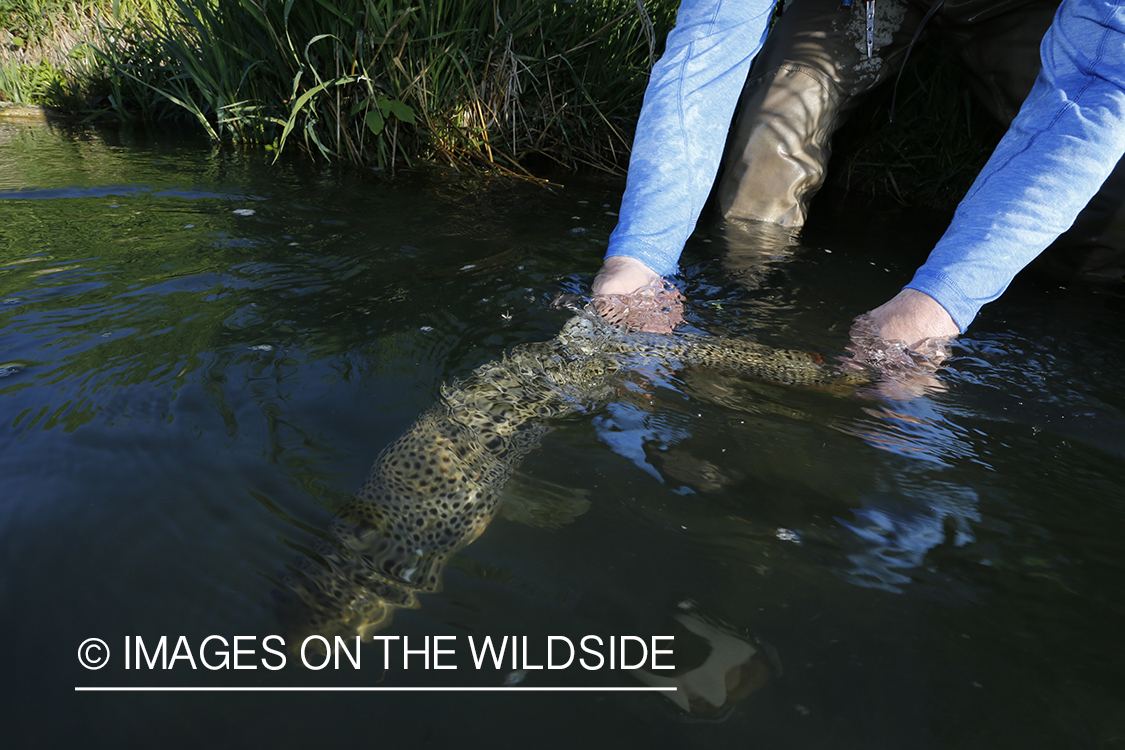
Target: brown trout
[[435, 489]]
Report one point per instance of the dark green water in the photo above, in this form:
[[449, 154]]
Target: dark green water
[[201, 354]]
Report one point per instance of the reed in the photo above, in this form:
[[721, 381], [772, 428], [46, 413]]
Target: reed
[[381, 82]]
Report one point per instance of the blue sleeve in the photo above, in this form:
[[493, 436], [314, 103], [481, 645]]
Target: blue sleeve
[[1067, 138], [682, 129]]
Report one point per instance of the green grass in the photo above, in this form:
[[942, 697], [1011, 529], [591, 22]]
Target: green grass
[[519, 85], [502, 83], [43, 44]]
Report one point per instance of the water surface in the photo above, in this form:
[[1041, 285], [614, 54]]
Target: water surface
[[201, 353]]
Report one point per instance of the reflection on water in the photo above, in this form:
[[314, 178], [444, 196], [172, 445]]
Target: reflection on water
[[200, 354]]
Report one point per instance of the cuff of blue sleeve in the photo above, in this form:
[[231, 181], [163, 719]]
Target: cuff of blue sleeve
[[946, 293]]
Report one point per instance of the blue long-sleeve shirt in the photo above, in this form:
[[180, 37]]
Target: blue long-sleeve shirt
[[682, 129], [1067, 138]]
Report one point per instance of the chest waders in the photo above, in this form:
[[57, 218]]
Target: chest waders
[[814, 70]]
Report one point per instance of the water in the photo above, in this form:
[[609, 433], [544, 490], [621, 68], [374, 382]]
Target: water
[[201, 354]]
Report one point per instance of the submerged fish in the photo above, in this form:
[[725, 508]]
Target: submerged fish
[[435, 489]]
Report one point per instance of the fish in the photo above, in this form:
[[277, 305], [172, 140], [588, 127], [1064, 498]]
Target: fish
[[435, 489]]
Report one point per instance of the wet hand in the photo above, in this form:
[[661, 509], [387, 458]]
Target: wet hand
[[905, 339], [623, 275], [630, 294], [915, 319]]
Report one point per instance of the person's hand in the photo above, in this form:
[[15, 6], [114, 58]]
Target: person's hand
[[624, 275], [905, 340], [915, 319], [630, 294]]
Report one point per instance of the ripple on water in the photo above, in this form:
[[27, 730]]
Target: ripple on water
[[8, 369], [927, 545]]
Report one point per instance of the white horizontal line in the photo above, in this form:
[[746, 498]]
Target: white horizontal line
[[514, 688]]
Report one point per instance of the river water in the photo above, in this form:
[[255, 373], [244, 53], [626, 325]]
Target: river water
[[201, 354]]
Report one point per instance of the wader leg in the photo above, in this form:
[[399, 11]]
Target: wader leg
[[800, 89]]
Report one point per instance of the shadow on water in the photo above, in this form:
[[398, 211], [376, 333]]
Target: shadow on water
[[202, 353]]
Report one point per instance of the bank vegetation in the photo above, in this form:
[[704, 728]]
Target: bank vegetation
[[377, 82], [515, 85]]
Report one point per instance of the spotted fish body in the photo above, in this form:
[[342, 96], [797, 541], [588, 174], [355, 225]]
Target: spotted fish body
[[733, 356], [435, 489]]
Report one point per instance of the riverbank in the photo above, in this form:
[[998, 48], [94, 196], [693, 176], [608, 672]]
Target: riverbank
[[524, 87], [508, 85], [21, 113]]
